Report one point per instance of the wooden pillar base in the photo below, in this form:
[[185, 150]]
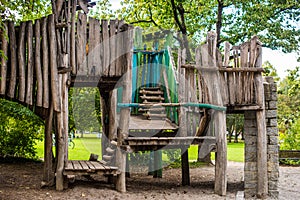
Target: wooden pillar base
[[185, 169]]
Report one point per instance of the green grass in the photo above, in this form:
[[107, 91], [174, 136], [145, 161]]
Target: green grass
[[91, 144], [83, 148]]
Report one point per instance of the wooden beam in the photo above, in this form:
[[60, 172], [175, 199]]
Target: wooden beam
[[185, 169], [30, 64], [3, 59], [22, 62], [37, 64], [45, 63], [12, 59]]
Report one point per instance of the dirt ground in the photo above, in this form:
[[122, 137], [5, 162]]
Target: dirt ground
[[22, 181]]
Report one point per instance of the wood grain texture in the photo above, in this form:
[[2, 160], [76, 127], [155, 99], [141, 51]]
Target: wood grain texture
[[30, 63], [45, 62], [22, 62], [81, 43], [13, 59], [106, 47], [3, 59], [37, 64], [94, 56]]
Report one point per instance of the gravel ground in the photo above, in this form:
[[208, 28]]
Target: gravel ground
[[22, 181]]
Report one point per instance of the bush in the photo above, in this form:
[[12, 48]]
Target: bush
[[19, 130]]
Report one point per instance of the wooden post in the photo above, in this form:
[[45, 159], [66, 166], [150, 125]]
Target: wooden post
[[13, 59], [157, 164], [185, 168], [30, 64], [22, 62], [4, 48], [45, 63], [81, 44], [60, 145], [37, 64], [53, 65], [73, 38], [124, 116], [208, 53], [262, 173], [48, 176]]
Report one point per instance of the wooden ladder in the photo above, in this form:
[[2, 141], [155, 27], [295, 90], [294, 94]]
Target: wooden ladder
[[152, 95]]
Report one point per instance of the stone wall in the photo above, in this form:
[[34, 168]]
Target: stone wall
[[250, 129]]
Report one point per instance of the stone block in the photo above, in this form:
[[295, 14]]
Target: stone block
[[273, 176], [269, 79], [249, 123], [250, 193], [250, 176], [250, 166], [272, 122], [273, 194], [273, 185], [271, 113], [250, 157], [273, 96], [250, 131], [250, 115], [250, 184], [272, 149], [272, 131], [250, 140], [272, 140], [272, 105], [271, 166], [273, 158], [273, 87]]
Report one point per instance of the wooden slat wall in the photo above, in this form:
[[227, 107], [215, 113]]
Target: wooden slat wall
[[237, 75]]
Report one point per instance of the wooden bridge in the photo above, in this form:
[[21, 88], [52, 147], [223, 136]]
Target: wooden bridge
[[158, 104]]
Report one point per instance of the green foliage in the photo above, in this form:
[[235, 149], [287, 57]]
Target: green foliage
[[19, 129], [275, 22], [234, 125], [288, 110], [84, 109], [270, 70], [21, 10]]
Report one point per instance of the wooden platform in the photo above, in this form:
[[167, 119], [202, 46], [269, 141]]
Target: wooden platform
[[83, 167], [154, 143], [138, 122]]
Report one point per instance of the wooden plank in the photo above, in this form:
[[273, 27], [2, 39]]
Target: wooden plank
[[91, 166], [73, 38], [69, 166], [112, 46], [245, 75], [3, 59], [53, 65], [97, 165], [77, 165], [45, 62], [22, 62], [106, 48], [94, 56], [84, 165], [37, 64], [119, 48], [81, 44], [13, 59], [30, 64]]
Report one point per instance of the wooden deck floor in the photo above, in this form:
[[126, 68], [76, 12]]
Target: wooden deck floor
[[83, 167], [142, 123]]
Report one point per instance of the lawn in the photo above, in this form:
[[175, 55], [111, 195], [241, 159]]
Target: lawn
[[91, 144]]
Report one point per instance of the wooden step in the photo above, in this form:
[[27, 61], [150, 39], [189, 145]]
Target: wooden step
[[152, 98], [150, 88], [109, 150], [159, 92], [113, 143], [154, 115], [107, 158]]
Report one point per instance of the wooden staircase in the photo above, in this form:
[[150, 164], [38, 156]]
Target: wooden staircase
[[152, 95]]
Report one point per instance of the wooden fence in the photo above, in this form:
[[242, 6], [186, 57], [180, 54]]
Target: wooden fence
[[36, 52]]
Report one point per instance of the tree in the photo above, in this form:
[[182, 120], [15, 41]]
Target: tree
[[270, 70], [235, 125], [234, 20], [288, 110]]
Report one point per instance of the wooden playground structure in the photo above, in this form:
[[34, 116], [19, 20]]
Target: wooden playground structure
[[162, 105]]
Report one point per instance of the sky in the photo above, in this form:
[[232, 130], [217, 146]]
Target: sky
[[278, 59]]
